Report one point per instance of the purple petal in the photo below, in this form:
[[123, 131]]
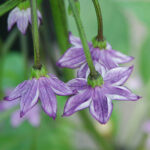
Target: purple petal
[[22, 21], [48, 98], [59, 87], [30, 98], [15, 119], [121, 93], [17, 92], [82, 71], [74, 40], [78, 102], [12, 18], [118, 76], [78, 84], [119, 57], [101, 106], [104, 58], [34, 116], [73, 58]]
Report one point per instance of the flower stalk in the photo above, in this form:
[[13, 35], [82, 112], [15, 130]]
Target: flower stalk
[[83, 38], [99, 20], [35, 34]]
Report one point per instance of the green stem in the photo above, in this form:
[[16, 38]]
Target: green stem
[[35, 34], [83, 38], [61, 29], [99, 20], [8, 5], [24, 49]]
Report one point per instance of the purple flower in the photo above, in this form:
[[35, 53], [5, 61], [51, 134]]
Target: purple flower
[[74, 57], [43, 88], [33, 116], [99, 98], [22, 17]]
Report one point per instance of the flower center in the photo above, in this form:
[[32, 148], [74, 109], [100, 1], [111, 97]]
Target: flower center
[[96, 80], [99, 44], [37, 73]]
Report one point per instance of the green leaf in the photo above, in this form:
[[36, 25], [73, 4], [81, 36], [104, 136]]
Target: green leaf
[[115, 23], [8, 5], [145, 60]]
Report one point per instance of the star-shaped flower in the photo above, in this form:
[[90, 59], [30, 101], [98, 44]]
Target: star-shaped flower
[[98, 97], [74, 57], [43, 88], [22, 17]]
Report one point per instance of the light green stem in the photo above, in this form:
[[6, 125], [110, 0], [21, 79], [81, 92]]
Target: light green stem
[[35, 34], [83, 38]]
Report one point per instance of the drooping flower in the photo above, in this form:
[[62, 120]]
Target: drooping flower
[[33, 116], [98, 96], [74, 57], [22, 17], [43, 87]]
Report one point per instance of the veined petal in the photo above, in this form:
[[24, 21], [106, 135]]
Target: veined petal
[[78, 84], [22, 21], [30, 98], [74, 40], [18, 91], [121, 93], [73, 58], [48, 98], [119, 57], [82, 71], [101, 106], [12, 18], [118, 76], [59, 87], [78, 102]]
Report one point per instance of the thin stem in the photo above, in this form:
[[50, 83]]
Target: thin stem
[[83, 38], [99, 20], [35, 34]]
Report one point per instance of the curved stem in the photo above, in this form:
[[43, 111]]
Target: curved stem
[[99, 20], [35, 34], [83, 38]]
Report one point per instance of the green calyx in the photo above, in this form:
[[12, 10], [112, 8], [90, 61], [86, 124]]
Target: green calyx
[[99, 44], [96, 80], [24, 5], [37, 73]]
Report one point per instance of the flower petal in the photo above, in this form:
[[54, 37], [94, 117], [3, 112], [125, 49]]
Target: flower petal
[[118, 76], [104, 58], [15, 119], [78, 84], [22, 21], [30, 98], [119, 57], [77, 102], [73, 58], [18, 91], [122, 93], [101, 106], [59, 87], [82, 71], [48, 98], [12, 18], [74, 40]]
